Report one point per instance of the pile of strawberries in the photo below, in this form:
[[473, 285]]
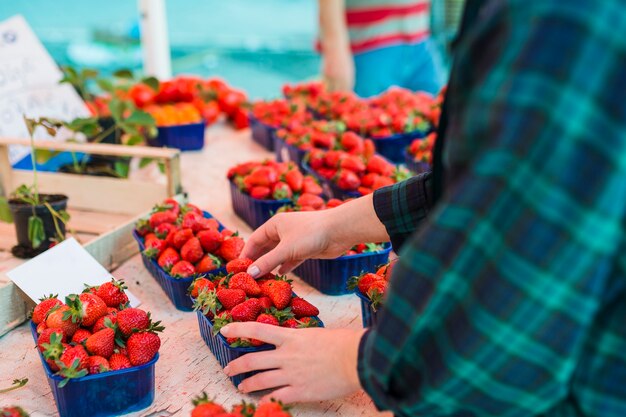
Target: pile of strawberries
[[422, 149], [238, 297], [373, 285], [355, 173], [94, 332], [13, 411], [271, 180], [184, 242], [280, 112], [204, 407]]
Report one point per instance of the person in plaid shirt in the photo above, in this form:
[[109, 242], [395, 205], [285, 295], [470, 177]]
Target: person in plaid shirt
[[509, 298]]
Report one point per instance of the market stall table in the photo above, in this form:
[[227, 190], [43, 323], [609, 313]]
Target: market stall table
[[186, 366]]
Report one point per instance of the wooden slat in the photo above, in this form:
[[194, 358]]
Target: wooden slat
[[95, 222]]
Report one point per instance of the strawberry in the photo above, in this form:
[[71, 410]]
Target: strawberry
[[266, 303], [350, 140], [381, 182], [97, 364], [210, 240], [261, 176], [208, 263], [310, 200], [272, 409], [352, 163], [80, 336], [142, 227], [310, 186], [170, 204], [41, 310], [376, 291], [13, 412], [238, 265], [260, 192], [168, 258], [231, 248], [230, 297], [144, 345], [191, 208], [379, 165], [119, 361], [363, 282], [132, 318], [204, 224], [246, 311], [163, 230], [203, 407], [305, 322], [61, 317], [279, 291], [41, 327], [347, 180], [73, 362], [267, 319], [182, 269], [221, 320], [332, 158], [302, 308], [88, 307], [369, 179], [101, 343], [45, 338], [112, 293], [192, 250], [199, 285], [281, 191], [246, 282], [181, 237], [295, 180], [190, 221], [161, 217], [154, 247]]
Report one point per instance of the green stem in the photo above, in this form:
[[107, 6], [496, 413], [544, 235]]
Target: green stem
[[17, 383], [55, 218]]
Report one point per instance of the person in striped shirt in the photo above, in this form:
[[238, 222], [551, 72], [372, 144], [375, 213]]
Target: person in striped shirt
[[371, 45]]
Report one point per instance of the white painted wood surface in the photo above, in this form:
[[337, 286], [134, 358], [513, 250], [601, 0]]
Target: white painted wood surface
[[186, 366]]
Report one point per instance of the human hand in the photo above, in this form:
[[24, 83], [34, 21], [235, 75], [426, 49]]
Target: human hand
[[338, 68], [312, 364]]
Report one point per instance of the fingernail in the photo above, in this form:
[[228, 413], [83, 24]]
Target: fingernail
[[254, 271], [224, 330], [226, 370], [239, 387]]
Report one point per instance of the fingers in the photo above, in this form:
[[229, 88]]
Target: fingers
[[286, 395], [264, 380], [252, 330], [288, 267], [258, 361], [268, 262], [259, 243]]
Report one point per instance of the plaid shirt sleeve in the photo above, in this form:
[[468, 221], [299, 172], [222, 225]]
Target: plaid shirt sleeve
[[493, 301], [403, 206]]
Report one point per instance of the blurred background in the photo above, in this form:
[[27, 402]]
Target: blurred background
[[256, 45]]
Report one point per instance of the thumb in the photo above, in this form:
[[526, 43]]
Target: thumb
[[268, 262]]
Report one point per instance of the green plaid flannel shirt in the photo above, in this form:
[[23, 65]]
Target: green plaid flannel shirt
[[510, 297]]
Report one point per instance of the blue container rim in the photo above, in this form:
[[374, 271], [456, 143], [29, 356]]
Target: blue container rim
[[197, 124], [253, 119], [140, 242], [363, 297], [58, 378], [386, 249], [258, 200], [251, 349], [416, 134], [306, 167]]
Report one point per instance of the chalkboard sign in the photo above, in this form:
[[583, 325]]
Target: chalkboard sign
[[29, 84]]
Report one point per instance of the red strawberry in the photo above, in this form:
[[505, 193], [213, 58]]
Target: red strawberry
[[112, 293], [41, 310], [162, 217], [230, 298], [350, 140], [310, 200], [348, 180], [352, 163], [199, 285], [210, 240], [163, 230], [302, 308], [246, 311], [204, 224], [97, 364], [154, 247], [88, 307], [192, 250], [379, 165], [208, 263], [238, 265], [207, 408], [119, 361], [266, 303], [381, 182], [168, 258], [310, 186], [183, 269], [272, 409], [13, 412], [295, 180], [333, 202], [376, 291], [260, 192], [369, 179], [74, 359], [101, 343], [281, 191], [63, 318], [246, 282], [332, 158], [181, 237], [364, 282], [191, 208], [231, 248], [279, 291], [267, 319], [132, 318], [80, 336], [142, 347], [261, 176], [45, 336], [307, 322], [41, 327]]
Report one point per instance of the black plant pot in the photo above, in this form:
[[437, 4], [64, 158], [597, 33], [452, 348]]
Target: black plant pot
[[22, 212]]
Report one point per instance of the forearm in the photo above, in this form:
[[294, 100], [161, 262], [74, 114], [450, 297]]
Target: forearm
[[333, 28]]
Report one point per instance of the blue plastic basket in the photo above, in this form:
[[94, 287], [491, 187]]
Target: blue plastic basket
[[222, 350], [177, 289], [285, 152], [253, 211], [369, 316], [331, 190], [106, 394], [393, 147], [330, 276], [261, 133], [188, 137], [414, 166]]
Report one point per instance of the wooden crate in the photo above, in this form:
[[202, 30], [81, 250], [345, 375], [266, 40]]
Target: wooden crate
[[103, 210]]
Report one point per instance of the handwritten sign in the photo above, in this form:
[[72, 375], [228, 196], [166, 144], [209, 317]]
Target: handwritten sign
[[62, 270], [29, 85]]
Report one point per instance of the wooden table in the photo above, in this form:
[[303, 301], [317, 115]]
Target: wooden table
[[186, 366]]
